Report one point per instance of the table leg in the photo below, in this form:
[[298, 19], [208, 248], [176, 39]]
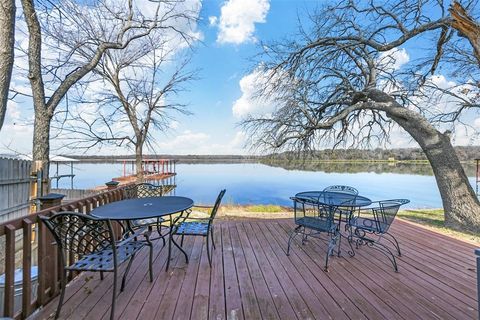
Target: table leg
[[169, 244]]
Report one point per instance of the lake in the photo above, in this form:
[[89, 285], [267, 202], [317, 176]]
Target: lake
[[256, 183]]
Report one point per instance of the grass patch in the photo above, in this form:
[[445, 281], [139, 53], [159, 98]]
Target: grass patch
[[264, 208], [434, 219]]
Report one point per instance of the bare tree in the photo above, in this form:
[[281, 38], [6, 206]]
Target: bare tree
[[341, 84], [67, 39], [139, 95], [7, 36]]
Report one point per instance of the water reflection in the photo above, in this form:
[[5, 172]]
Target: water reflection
[[417, 168], [276, 182]]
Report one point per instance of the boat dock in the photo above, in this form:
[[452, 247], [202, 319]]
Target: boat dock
[[153, 170]]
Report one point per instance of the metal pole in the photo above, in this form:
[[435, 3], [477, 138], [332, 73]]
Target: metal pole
[[57, 175], [71, 173]]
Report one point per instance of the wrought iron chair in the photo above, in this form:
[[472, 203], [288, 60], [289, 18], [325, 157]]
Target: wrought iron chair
[[93, 245], [343, 212], [313, 219], [144, 190], [369, 226], [199, 226], [342, 189]]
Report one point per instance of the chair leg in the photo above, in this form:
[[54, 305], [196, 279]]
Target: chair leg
[[394, 241], [150, 258], [169, 250], [331, 248], [208, 253], [181, 249], [124, 278], [114, 293], [181, 240], [63, 284], [387, 252], [213, 240], [339, 250], [101, 275], [159, 230]]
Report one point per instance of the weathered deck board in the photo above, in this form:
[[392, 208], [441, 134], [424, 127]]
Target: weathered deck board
[[252, 278]]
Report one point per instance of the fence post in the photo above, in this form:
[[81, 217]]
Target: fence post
[[477, 253], [47, 252], [111, 184]]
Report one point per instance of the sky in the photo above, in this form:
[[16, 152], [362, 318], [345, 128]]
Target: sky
[[230, 32]]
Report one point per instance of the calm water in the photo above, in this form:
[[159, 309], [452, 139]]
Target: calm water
[[252, 183]]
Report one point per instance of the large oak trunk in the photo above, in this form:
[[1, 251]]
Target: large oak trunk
[[460, 203]]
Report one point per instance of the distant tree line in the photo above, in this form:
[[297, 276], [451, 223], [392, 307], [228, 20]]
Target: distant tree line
[[468, 153], [464, 153]]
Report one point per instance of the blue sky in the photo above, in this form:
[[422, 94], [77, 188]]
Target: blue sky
[[223, 65], [231, 31]]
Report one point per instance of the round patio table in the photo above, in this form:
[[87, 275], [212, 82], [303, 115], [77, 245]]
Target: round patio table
[[334, 199], [143, 208], [337, 203], [146, 208]]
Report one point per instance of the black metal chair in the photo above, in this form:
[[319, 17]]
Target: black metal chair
[[343, 212], [369, 226], [342, 189], [199, 226], [313, 219], [93, 245], [144, 190]]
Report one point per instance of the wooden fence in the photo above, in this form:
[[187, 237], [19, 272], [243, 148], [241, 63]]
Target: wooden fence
[[48, 256], [14, 188]]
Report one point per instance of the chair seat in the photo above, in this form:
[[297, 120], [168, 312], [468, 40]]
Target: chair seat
[[368, 224], [316, 223], [103, 260], [193, 228]]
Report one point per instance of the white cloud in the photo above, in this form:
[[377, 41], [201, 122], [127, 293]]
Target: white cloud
[[248, 103], [212, 20], [238, 18], [189, 142], [393, 59]]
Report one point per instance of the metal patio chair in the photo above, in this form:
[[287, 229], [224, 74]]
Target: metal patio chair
[[369, 226], [199, 226], [313, 219], [341, 189], [93, 245], [345, 190], [144, 190]]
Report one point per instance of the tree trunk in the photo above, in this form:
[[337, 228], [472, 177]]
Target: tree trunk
[[461, 205], [7, 37], [138, 161], [41, 138]]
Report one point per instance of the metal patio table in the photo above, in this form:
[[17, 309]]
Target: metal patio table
[[146, 208], [338, 203]]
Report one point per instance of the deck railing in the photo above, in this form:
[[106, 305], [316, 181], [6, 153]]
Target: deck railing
[[49, 269]]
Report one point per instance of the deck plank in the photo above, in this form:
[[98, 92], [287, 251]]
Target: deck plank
[[217, 282], [282, 302], [252, 278]]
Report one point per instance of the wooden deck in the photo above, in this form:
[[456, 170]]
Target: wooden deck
[[252, 278]]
